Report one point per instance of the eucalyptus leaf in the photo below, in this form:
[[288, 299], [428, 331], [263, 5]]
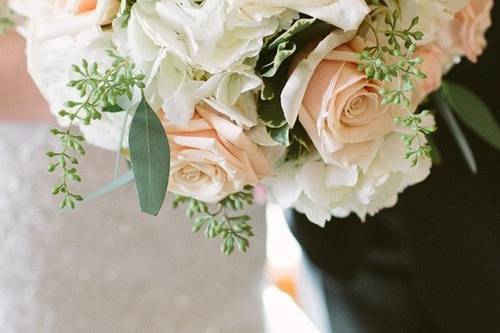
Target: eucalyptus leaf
[[113, 185], [436, 156], [120, 143], [457, 132], [150, 157], [473, 112]]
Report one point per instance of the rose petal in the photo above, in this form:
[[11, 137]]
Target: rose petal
[[294, 90]]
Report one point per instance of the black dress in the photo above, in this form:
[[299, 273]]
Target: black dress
[[432, 263]]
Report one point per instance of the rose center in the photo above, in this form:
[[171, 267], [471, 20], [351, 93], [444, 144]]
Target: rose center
[[356, 107], [190, 173]]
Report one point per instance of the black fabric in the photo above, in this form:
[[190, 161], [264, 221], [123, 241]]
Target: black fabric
[[432, 263]]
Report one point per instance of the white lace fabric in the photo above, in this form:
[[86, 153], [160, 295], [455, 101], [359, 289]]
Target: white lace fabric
[[105, 267]]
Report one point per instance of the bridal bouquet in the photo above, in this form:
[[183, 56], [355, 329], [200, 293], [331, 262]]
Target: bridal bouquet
[[318, 100]]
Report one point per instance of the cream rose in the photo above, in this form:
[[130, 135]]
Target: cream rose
[[468, 28], [212, 157], [342, 112]]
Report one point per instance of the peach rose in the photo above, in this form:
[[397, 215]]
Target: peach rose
[[107, 9], [212, 157], [76, 7], [55, 18], [436, 62], [469, 27], [342, 111]]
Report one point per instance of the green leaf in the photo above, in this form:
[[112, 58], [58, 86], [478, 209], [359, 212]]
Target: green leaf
[[473, 112], [113, 185], [302, 32], [299, 26], [285, 50], [5, 23], [436, 156], [300, 143], [150, 157], [280, 134], [456, 130], [271, 114], [112, 108]]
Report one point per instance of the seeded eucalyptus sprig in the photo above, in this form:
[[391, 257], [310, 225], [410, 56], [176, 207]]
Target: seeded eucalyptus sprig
[[393, 62], [216, 221], [99, 92]]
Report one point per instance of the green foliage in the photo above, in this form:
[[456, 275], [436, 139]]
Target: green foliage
[[150, 157], [284, 51], [472, 111], [270, 110], [5, 24], [445, 111], [217, 223], [416, 149], [125, 11], [98, 91], [392, 61], [300, 143], [283, 46], [274, 66]]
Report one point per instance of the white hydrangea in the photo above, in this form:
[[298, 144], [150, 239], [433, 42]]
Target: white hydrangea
[[177, 85], [323, 191], [206, 36]]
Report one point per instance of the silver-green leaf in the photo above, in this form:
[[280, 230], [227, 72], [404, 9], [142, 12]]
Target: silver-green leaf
[[457, 132], [150, 157], [473, 112]]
